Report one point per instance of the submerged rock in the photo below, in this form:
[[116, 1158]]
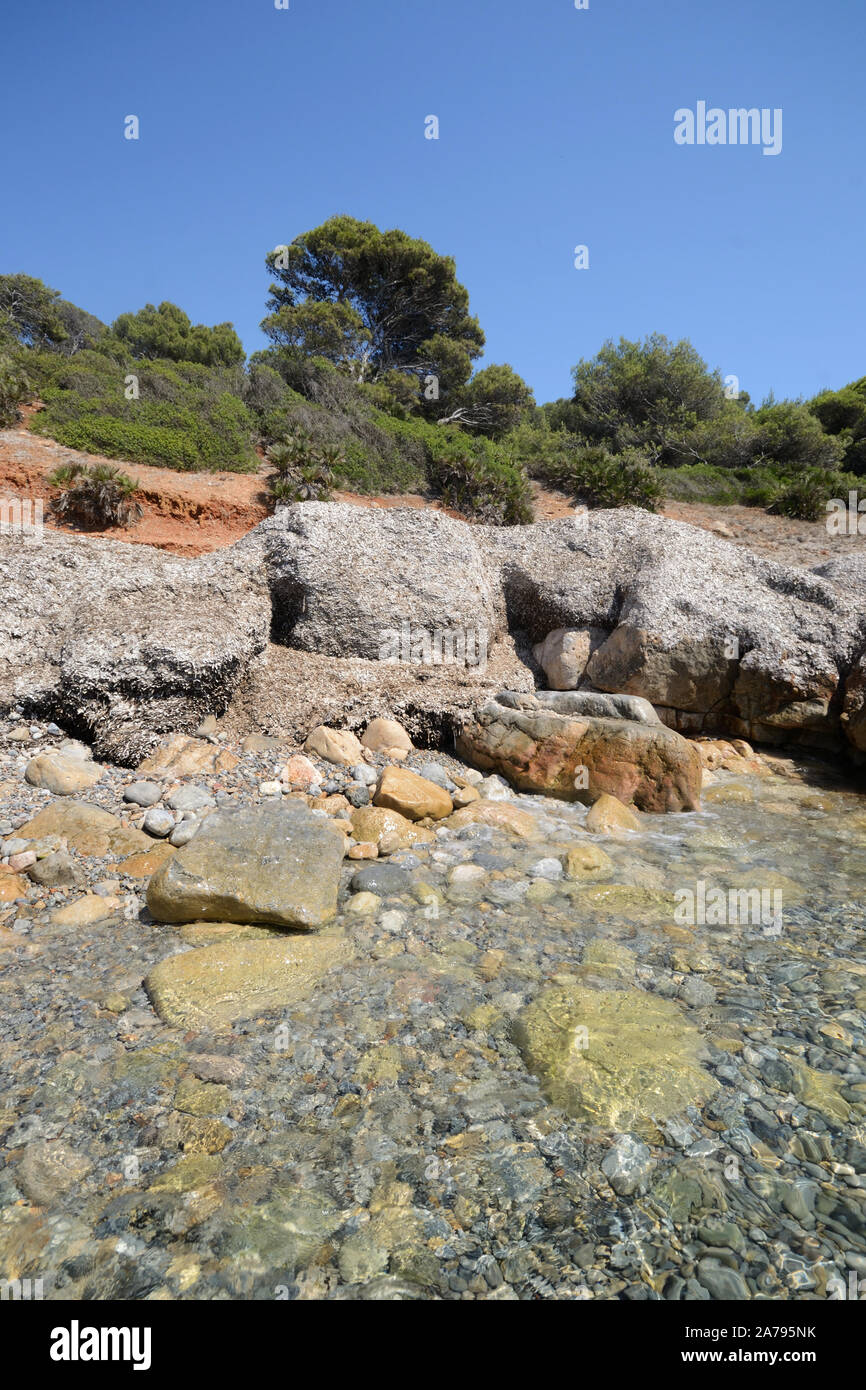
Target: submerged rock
[[217, 985], [623, 1059]]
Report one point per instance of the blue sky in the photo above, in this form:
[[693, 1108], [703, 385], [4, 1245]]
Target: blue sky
[[556, 129]]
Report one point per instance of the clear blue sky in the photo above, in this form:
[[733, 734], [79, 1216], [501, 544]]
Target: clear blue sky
[[556, 129]]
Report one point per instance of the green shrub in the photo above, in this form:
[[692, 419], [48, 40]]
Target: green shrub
[[15, 387], [699, 482], [805, 496], [95, 495], [598, 478], [305, 471], [186, 416], [478, 479]]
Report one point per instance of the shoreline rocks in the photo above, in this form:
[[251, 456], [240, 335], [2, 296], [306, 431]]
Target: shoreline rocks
[[128, 644], [634, 757]]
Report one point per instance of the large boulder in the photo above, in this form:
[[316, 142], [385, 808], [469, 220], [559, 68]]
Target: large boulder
[[717, 638], [580, 757], [331, 613], [623, 1059], [276, 864], [345, 580], [124, 641], [215, 986]]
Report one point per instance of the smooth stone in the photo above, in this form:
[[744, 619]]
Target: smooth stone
[[218, 985], [183, 833], [546, 868], [277, 864], [608, 816], [158, 822], [387, 880], [383, 735], [85, 911], [64, 776], [142, 793], [499, 816], [587, 861], [627, 1165], [334, 745], [412, 796], [190, 798]]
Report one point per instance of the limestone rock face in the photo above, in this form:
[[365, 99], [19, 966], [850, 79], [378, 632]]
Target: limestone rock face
[[623, 1059], [413, 796], [217, 985], [716, 637], [126, 640], [132, 644], [344, 579], [276, 864], [580, 758]]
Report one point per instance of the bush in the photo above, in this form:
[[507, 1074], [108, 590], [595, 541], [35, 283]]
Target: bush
[[598, 478], [186, 416], [699, 482], [806, 495], [305, 472], [15, 387], [95, 495], [479, 480]]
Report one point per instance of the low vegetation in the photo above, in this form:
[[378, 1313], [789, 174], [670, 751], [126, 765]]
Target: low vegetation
[[369, 383], [95, 495]]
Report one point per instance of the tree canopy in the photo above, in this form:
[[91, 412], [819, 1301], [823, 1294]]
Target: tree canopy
[[30, 312], [373, 301], [167, 332]]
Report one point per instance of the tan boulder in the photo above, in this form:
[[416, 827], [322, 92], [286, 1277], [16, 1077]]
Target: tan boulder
[[12, 887], [183, 756], [61, 774], [388, 830], [85, 911], [217, 985], [608, 816], [411, 795], [464, 796], [145, 864], [587, 861], [338, 746], [364, 850], [386, 736], [300, 772], [87, 829]]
